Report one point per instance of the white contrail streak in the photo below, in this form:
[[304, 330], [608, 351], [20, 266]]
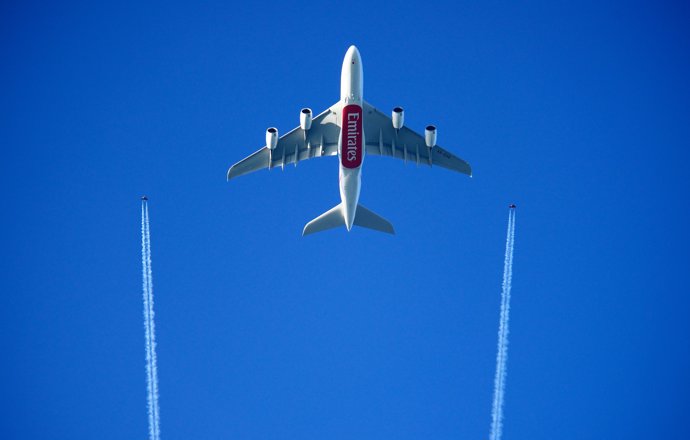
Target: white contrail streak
[[502, 355], [150, 328]]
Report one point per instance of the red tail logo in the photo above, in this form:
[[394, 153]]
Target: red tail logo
[[351, 154]]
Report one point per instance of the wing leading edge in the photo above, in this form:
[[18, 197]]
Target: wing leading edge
[[297, 145], [322, 140], [384, 140]]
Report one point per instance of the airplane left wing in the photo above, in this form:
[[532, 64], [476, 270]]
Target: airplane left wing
[[384, 140], [297, 145]]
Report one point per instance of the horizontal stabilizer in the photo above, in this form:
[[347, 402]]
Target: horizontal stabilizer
[[369, 219], [328, 220]]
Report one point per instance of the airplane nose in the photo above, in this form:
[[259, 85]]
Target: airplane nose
[[353, 55], [351, 75]]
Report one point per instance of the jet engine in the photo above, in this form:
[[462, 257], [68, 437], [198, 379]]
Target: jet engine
[[430, 136], [305, 119], [398, 117], [272, 138]]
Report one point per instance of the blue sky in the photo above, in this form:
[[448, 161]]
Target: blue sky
[[578, 112]]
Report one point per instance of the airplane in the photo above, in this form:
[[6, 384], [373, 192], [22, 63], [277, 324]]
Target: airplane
[[144, 198], [351, 129], [512, 206]]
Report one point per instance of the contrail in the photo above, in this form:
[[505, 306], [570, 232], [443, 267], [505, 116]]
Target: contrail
[[151, 363], [502, 355]]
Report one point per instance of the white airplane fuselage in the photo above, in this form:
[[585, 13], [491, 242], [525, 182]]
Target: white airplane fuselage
[[340, 129], [351, 141]]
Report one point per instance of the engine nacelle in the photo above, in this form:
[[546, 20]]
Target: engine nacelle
[[398, 117], [430, 136], [272, 138], [305, 119]]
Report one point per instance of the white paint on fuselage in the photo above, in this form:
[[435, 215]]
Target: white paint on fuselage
[[351, 92]]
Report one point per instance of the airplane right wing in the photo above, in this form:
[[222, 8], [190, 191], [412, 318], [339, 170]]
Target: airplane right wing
[[297, 145], [384, 140]]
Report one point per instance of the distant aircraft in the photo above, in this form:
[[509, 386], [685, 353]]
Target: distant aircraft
[[512, 206], [144, 198], [351, 128]]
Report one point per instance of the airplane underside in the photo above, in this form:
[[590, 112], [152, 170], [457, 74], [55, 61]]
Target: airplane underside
[[350, 129]]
